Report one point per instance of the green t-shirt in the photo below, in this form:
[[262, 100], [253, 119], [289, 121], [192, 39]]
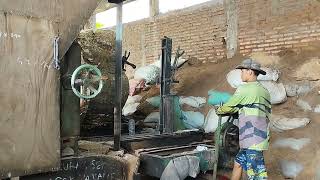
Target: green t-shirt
[[252, 101]]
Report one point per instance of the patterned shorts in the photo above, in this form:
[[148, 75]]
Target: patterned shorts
[[252, 162]]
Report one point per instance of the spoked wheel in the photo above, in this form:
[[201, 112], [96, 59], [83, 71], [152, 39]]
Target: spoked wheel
[[88, 79], [230, 138]]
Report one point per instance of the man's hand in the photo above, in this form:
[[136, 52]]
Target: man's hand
[[216, 110]]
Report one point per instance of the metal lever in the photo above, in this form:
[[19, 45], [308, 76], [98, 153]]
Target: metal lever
[[125, 61], [175, 67]]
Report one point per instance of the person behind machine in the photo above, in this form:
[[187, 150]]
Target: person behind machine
[[252, 101]]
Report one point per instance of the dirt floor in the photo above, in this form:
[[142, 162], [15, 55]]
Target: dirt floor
[[197, 79]]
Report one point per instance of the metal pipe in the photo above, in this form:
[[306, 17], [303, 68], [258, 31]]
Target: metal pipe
[[70, 109], [165, 77], [216, 147], [118, 79], [163, 52]]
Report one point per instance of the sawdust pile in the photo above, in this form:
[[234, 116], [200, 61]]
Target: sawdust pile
[[310, 70], [265, 60], [295, 66], [299, 66], [97, 47]]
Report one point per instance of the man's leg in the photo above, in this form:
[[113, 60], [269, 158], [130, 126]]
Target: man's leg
[[256, 166], [236, 172], [239, 165]]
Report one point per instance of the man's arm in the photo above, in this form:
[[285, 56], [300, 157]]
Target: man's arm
[[233, 105]]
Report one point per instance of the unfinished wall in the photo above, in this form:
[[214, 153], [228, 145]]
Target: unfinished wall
[[198, 30], [263, 25], [272, 25]]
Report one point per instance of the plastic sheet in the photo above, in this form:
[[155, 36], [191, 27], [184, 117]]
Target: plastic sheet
[[211, 121], [272, 74], [131, 105], [129, 109], [297, 89], [149, 73], [193, 120], [181, 167], [317, 109], [234, 78], [154, 101], [304, 105], [290, 169], [192, 101], [180, 62], [277, 91], [295, 144], [280, 123], [217, 97]]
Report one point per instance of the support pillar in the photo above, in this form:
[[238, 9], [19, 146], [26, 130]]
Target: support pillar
[[232, 27], [154, 7]]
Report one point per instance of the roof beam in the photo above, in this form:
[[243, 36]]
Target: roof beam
[[105, 5]]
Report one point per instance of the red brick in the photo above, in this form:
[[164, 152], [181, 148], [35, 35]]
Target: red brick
[[245, 43], [256, 50], [251, 46], [256, 42], [275, 52], [279, 27], [271, 48], [270, 40], [220, 50], [263, 45], [291, 42], [277, 36], [251, 39], [300, 36], [291, 34], [270, 32], [308, 39], [276, 44], [288, 46], [300, 45], [287, 38], [244, 51], [315, 34], [306, 32]]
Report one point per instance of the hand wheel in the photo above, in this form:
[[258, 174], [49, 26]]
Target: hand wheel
[[89, 79]]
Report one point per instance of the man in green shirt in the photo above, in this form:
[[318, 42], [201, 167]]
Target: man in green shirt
[[252, 101]]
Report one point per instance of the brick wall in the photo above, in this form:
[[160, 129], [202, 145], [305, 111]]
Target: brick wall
[[264, 25], [272, 25], [198, 30]]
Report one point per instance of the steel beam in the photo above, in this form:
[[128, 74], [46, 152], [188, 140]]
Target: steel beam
[[118, 79]]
